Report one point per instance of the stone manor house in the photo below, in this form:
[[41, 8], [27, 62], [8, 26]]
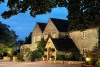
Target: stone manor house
[[60, 40]]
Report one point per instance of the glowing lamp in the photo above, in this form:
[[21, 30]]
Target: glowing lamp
[[88, 58]]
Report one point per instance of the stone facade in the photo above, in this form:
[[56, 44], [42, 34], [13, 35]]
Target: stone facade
[[49, 53], [36, 36], [50, 31], [53, 29], [25, 48], [85, 40]]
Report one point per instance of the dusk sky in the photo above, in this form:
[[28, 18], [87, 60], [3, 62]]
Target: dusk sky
[[23, 23]]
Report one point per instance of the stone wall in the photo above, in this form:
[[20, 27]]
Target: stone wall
[[37, 35], [50, 31], [50, 53], [66, 62], [85, 40], [25, 48]]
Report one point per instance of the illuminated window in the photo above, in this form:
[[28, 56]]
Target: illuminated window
[[70, 35]]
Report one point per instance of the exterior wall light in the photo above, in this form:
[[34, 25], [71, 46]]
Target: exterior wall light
[[88, 59]]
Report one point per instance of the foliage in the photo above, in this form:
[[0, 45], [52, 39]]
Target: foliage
[[34, 54], [11, 52], [36, 7], [45, 49], [1, 1], [61, 57], [44, 56], [7, 40], [98, 63], [19, 57], [20, 42], [41, 46], [7, 36], [28, 39], [27, 56], [94, 55], [81, 13], [76, 56]]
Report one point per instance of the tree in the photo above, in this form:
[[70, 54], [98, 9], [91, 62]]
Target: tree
[[28, 39], [36, 7], [41, 46], [7, 38], [81, 13], [1, 1]]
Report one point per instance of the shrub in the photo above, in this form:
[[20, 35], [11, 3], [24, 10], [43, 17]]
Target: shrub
[[19, 57], [1, 56], [39, 55], [27, 57], [45, 49], [45, 56], [98, 63], [61, 57], [33, 55]]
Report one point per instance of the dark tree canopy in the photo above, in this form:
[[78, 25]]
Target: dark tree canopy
[[81, 13], [7, 36], [36, 7], [28, 39]]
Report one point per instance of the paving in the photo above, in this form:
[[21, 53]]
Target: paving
[[33, 64]]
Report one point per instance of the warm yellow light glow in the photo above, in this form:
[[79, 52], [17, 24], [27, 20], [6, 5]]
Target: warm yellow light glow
[[88, 58]]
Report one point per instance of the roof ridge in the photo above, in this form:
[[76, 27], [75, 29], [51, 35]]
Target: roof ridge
[[59, 19]]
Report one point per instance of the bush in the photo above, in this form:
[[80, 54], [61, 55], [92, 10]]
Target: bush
[[98, 63], [33, 55], [27, 57], [45, 49], [39, 55], [19, 57], [61, 57], [1, 56]]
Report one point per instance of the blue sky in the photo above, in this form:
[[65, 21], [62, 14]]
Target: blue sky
[[23, 23]]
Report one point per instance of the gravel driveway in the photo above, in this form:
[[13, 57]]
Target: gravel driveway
[[34, 64]]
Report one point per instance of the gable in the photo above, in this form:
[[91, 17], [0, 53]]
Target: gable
[[49, 44], [50, 28], [37, 31], [86, 39]]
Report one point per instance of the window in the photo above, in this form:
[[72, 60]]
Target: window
[[39, 38], [84, 52], [54, 35], [83, 35]]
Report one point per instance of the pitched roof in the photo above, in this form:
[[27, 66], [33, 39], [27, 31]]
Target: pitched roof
[[61, 25], [42, 25], [64, 44]]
